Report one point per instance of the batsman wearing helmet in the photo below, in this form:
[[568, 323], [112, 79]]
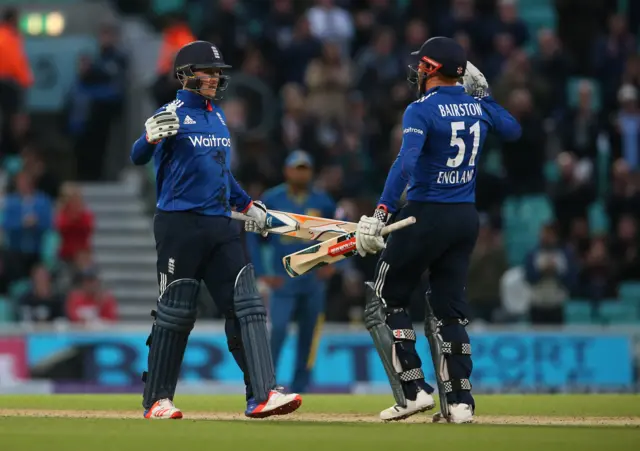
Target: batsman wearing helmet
[[443, 134], [196, 239]]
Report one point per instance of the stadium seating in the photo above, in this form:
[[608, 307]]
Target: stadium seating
[[523, 219], [578, 311], [6, 310], [615, 312]]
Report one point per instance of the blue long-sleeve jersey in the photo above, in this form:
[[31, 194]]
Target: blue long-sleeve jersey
[[443, 135], [266, 253], [193, 168]]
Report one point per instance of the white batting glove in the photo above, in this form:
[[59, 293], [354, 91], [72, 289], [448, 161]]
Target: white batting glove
[[474, 82], [258, 213], [164, 124], [368, 238]]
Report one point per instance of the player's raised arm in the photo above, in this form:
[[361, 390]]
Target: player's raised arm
[[163, 124], [503, 123]]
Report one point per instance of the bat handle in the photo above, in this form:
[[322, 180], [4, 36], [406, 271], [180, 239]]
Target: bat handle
[[398, 225]]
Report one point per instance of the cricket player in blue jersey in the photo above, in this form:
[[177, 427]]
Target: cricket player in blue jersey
[[443, 134], [196, 240], [303, 298]]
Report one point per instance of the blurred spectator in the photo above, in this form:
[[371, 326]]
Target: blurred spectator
[[488, 264], [97, 102], [279, 25], [625, 136], [464, 40], [296, 126], [295, 57], [175, 34], [579, 240], [551, 271], [524, 159], [581, 126], [573, 192], [90, 303], [518, 74], [508, 22], [10, 268], [15, 78], [41, 304], [610, 54], [631, 75], [597, 278], [328, 78], [44, 179], [378, 64], [504, 45], [461, 17], [74, 222], [579, 23], [551, 63], [416, 32], [27, 217], [328, 21], [624, 249], [624, 196], [227, 28]]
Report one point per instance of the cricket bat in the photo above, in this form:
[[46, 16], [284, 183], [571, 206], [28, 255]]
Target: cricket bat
[[331, 251], [302, 226]]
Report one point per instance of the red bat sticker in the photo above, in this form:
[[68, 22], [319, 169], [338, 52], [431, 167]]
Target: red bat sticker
[[342, 248]]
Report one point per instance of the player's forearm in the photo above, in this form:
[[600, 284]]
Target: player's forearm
[[505, 124], [237, 196], [398, 178], [142, 151]]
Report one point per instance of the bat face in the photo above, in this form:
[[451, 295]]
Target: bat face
[[331, 251], [320, 254], [306, 227]]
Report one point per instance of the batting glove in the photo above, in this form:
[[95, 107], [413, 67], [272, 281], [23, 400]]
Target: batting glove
[[164, 124], [474, 82], [368, 233], [258, 212]]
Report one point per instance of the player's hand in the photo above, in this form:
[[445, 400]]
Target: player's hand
[[164, 124], [474, 81], [368, 237], [258, 213]]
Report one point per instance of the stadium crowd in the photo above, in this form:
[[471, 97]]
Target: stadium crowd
[[329, 77]]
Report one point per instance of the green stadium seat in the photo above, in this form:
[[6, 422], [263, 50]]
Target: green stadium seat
[[6, 311], [12, 164], [578, 312], [598, 218], [50, 246], [630, 291], [616, 312], [19, 288], [167, 6]]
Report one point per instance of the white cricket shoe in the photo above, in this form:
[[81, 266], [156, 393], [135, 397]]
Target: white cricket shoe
[[459, 414], [424, 401], [278, 403], [163, 409]]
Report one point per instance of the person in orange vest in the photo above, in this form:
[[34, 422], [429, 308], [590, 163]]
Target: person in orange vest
[[15, 78], [175, 34]]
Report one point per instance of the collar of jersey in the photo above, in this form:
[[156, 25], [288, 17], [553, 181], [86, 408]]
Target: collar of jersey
[[451, 89], [193, 100]]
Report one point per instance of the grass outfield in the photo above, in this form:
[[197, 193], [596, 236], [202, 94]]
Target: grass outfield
[[342, 422]]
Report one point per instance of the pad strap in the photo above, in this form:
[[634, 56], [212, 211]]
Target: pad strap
[[452, 321], [411, 375], [454, 347], [456, 385], [404, 334]]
